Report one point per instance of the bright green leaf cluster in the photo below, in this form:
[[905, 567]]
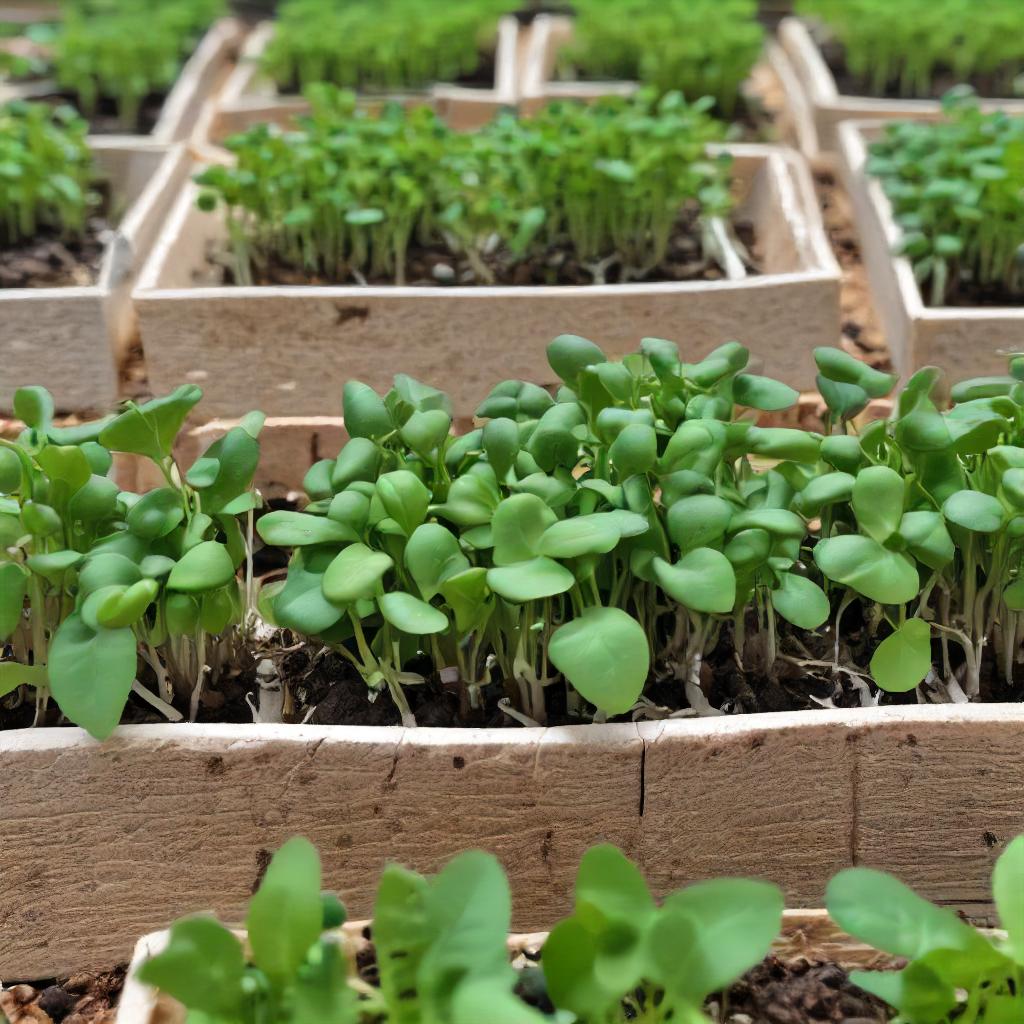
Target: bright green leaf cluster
[[381, 44], [954, 972], [441, 949], [957, 191], [125, 50], [639, 517], [347, 194], [907, 45], [26, 54], [698, 47], [107, 576], [441, 952], [47, 171]]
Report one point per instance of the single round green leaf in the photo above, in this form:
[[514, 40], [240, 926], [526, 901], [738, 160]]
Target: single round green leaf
[[355, 574], [903, 659], [763, 393], [605, 655], [974, 511], [703, 580], [411, 615], [91, 674], [207, 566], [800, 601], [285, 529], [878, 495], [530, 581], [593, 534], [433, 555], [517, 528], [868, 568], [365, 412]]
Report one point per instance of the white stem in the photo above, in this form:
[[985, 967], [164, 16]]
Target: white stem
[[721, 247], [506, 708], [172, 714], [695, 694]]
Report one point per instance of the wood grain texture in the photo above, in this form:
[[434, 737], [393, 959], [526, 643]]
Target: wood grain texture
[[100, 844], [769, 796], [273, 347], [938, 800]]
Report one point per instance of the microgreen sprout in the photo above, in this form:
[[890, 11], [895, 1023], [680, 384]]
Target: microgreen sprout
[[441, 949], [115, 582], [380, 44], [47, 171], [907, 45], [957, 191], [348, 193], [697, 47], [125, 51]]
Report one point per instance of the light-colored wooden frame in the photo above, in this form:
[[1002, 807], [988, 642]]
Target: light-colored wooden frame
[[248, 99], [71, 339], [814, 106], [200, 77], [964, 341], [289, 350], [102, 843]]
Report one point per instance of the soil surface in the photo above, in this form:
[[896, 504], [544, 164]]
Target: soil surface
[[106, 121], [774, 992], [801, 993], [966, 293], [685, 261], [997, 85], [81, 999], [49, 261]]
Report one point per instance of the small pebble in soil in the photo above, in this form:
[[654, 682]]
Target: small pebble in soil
[[443, 273]]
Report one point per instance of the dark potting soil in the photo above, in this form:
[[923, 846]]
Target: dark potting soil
[[997, 84], [685, 261], [105, 120], [481, 77], [49, 261], [775, 992], [965, 293], [84, 998]]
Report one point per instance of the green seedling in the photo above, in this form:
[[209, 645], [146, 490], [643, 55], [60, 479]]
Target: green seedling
[[907, 46], [954, 972], [441, 949], [114, 581], [389, 45], [47, 173], [955, 189], [347, 194], [126, 51], [696, 47]]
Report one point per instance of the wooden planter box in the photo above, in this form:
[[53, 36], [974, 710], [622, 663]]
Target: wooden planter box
[[70, 339], [548, 35], [165, 820], [814, 106], [806, 935], [963, 341], [465, 339], [249, 99], [200, 77]]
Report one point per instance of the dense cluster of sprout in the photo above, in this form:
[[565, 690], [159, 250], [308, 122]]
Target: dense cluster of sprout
[[346, 194], [380, 44], [698, 47], [905, 45], [47, 171], [957, 192]]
